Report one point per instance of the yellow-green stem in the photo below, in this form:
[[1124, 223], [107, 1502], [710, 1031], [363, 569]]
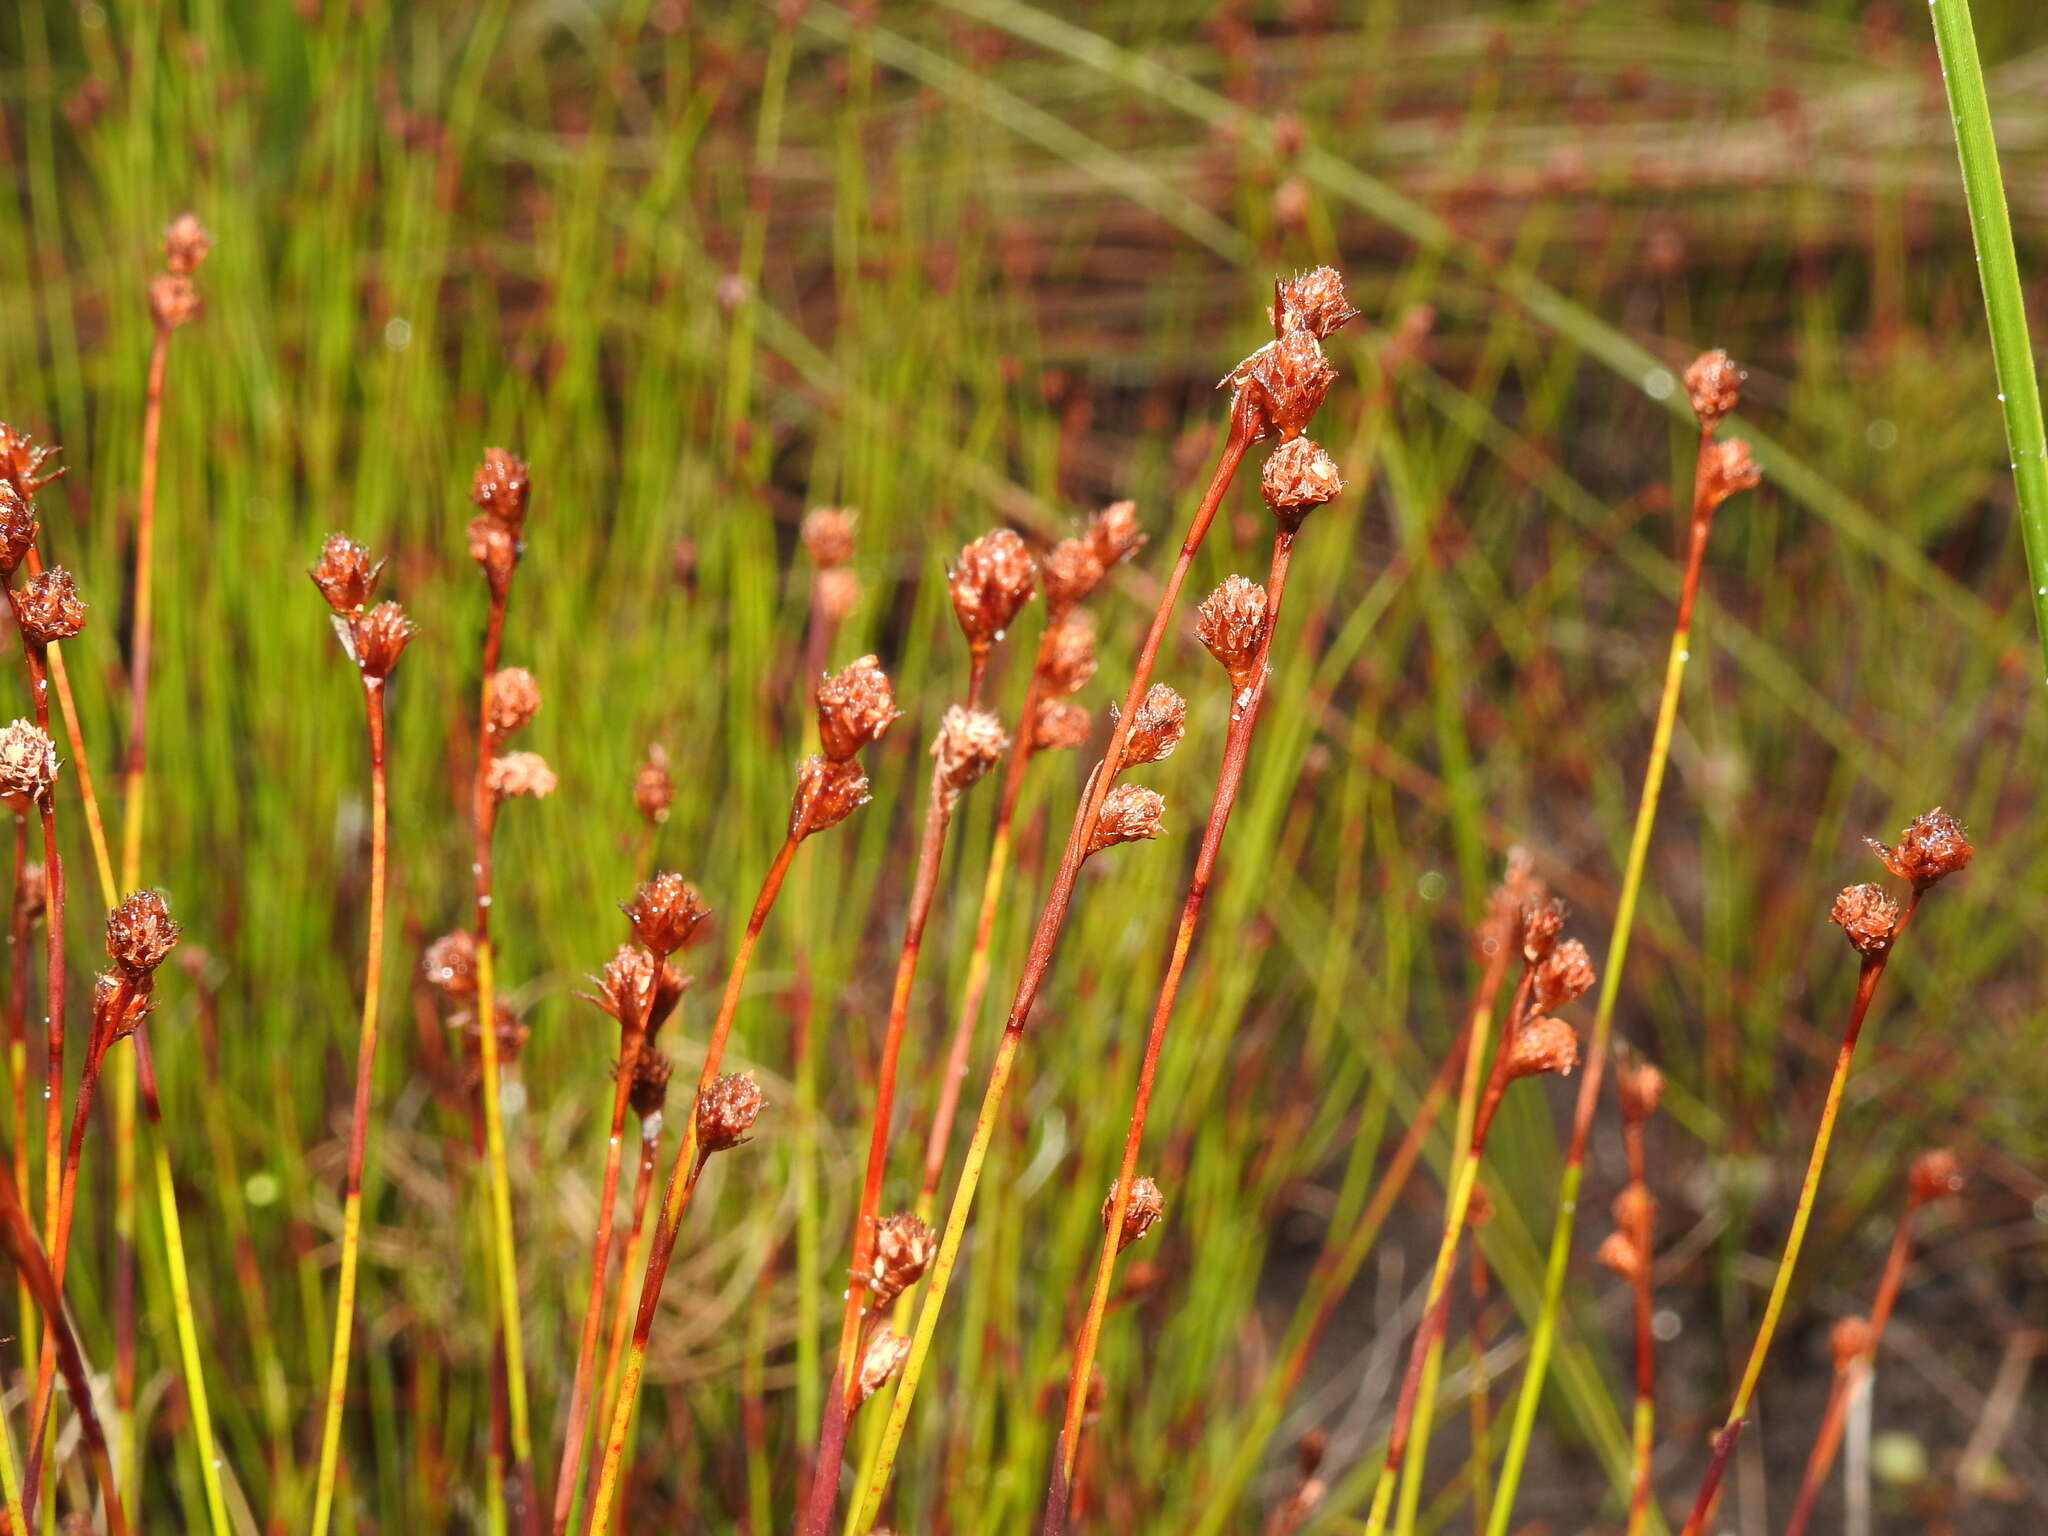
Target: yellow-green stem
[[188, 1340], [504, 1255]]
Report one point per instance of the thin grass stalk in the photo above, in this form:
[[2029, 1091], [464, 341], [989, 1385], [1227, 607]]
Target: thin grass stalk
[[1543, 1334], [1479, 1411], [682, 1184], [1229, 776], [359, 1120], [1871, 971], [2005, 306], [637, 1236], [20, 931], [1244, 427]]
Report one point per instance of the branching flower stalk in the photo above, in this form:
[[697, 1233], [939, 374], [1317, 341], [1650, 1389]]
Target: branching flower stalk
[[373, 638], [854, 708], [1930, 849], [1934, 1176], [1236, 623], [1722, 469], [991, 582], [1277, 389]]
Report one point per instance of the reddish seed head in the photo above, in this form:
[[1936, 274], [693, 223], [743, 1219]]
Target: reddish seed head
[[135, 999], [1714, 386], [826, 794], [185, 245], [1157, 725], [1935, 1174], [521, 773], [1141, 1211], [1933, 847], [726, 1112], [1850, 1340], [838, 593], [173, 300], [653, 790], [500, 487], [1639, 1086], [1069, 572], [637, 991], [1634, 1209], [665, 912], [1059, 725], [494, 546], [1130, 814], [1114, 534], [1868, 916], [1618, 1252], [878, 1367], [991, 581], [140, 933], [1728, 470], [22, 463], [649, 1094], [969, 743], [450, 963], [904, 1246], [515, 699], [31, 893], [828, 536], [509, 1036], [1284, 382], [1298, 478], [378, 638], [1542, 921], [28, 765], [1541, 1046], [345, 574], [1563, 976], [1311, 301], [855, 706], [1231, 623], [1067, 656], [50, 608], [18, 528]]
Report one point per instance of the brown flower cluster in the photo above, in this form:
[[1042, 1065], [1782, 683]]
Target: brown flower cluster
[[49, 608], [1713, 384], [1933, 847], [500, 488], [1130, 814], [1284, 382], [23, 465], [991, 581], [345, 574], [1142, 1211], [969, 743], [1157, 725], [904, 1248], [1231, 624], [726, 1112], [666, 912], [855, 706]]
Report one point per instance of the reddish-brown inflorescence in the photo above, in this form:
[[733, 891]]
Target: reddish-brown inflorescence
[[969, 743], [635, 987], [1713, 384], [826, 794], [345, 574], [18, 528], [1726, 469], [827, 535], [1069, 571], [1312, 301], [1066, 653], [185, 245], [665, 913], [992, 580], [1130, 814], [1141, 1211], [1114, 534], [28, 765], [1933, 847], [904, 1245], [514, 699], [520, 773], [449, 963], [500, 487], [23, 465], [1059, 725], [1157, 725], [1231, 624], [878, 1367], [140, 933], [726, 1112], [49, 608], [855, 706], [654, 790], [649, 1093], [1935, 1175], [1298, 478], [378, 637], [1868, 916], [1543, 1045], [1562, 976]]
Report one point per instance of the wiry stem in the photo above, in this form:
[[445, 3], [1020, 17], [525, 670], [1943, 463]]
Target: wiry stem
[[1644, 1434], [1243, 429], [1244, 716], [636, 1255], [359, 1121], [19, 932]]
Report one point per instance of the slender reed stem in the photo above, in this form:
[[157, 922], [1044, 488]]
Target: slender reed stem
[[359, 1120], [1244, 717], [636, 1255], [682, 1183], [1243, 428], [19, 933], [1644, 1433], [2005, 306], [1731, 1428], [1543, 1335]]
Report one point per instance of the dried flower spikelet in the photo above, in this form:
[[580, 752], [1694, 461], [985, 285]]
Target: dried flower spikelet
[[1284, 383], [1066, 656], [638, 991], [1639, 1086], [1298, 478], [1634, 1208], [1157, 725], [649, 1093], [904, 1246], [1935, 1174], [345, 573], [1542, 921], [969, 743], [878, 1367], [1618, 1252], [510, 1037], [1728, 471], [1231, 623], [838, 593], [1059, 725], [654, 791], [18, 528], [1130, 814], [1563, 976], [449, 964], [1933, 847], [826, 794], [28, 765], [378, 638], [1505, 904], [1142, 1211], [120, 1004], [140, 933], [855, 706], [1069, 572], [1714, 386], [1114, 533], [1311, 301], [21, 462], [991, 581], [50, 608], [726, 1111], [173, 300], [1850, 1340], [500, 487], [1543, 1045], [827, 535], [521, 773], [665, 912], [494, 546], [515, 699], [1868, 916], [185, 245]]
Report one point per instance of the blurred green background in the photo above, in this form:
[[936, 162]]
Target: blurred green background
[[981, 262]]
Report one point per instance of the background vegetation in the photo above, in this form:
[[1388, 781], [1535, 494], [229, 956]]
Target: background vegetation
[[981, 262]]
